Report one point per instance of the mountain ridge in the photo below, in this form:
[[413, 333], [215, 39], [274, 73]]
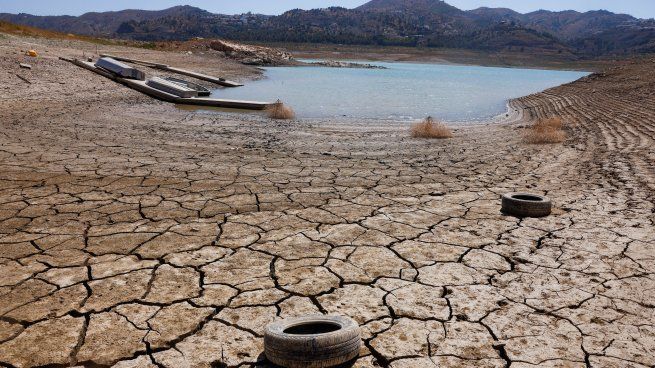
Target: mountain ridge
[[411, 6], [423, 23]]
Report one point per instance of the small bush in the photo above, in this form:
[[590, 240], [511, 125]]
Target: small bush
[[280, 111], [546, 131], [429, 128]]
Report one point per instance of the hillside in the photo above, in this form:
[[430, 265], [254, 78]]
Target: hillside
[[569, 25], [641, 40], [412, 6], [99, 24], [415, 23]]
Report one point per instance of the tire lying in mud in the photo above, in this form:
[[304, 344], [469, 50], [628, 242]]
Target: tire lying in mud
[[526, 205], [312, 342]]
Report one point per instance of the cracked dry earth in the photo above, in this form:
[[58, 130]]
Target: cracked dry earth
[[135, 234]]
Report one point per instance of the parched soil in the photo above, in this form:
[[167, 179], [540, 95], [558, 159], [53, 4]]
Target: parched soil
[[137, 234]]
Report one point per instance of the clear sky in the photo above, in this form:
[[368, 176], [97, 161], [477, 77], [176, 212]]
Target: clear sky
[[638, 8]]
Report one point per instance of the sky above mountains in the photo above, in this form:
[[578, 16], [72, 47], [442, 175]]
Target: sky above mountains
[[638, 8]]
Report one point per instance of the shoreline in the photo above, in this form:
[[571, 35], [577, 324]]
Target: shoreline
[[443, 62], [443, 56], [348, 120]]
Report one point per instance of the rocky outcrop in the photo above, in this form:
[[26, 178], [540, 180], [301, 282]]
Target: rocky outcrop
[[252, 55], [345, 64]]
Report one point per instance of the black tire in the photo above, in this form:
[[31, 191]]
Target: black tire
[[312, 342], [526, 205]]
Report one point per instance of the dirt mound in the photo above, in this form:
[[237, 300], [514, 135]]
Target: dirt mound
[[245, 54], [251, 55]]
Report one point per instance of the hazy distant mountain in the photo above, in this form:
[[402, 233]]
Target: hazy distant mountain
[[570, 25], [428, 23], [99, 24], [636, 38]]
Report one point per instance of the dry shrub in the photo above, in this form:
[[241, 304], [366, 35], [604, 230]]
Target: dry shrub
[[546, 131], [429, 128], [280, 111], [16, 29]]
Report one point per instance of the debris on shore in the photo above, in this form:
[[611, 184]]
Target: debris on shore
[[345, 64], [23, 79], [160, 88], [245, 54], [252, 55]]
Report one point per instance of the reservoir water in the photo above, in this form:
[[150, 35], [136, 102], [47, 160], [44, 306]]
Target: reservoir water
[[403, 91]]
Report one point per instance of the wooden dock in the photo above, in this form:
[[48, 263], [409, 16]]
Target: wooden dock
[[220, 81], [208, 78], [143, 87], [135, 61]]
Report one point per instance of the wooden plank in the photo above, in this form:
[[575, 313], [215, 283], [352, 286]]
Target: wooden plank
[[136, 61], [23, 79], [234, 104], [208, 78]]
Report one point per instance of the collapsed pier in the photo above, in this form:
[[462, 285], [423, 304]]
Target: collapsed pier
[[170, 91]]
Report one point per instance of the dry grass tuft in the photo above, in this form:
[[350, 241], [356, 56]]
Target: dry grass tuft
[[429, 128], [280, 111], [20, 30], [15, 29], [546, 131]]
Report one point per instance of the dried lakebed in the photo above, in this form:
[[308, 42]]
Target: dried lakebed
[[133, 234]]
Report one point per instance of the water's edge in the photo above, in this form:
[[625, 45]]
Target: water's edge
[[402, 93]]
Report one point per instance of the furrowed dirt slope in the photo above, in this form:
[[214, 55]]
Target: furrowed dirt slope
[[136, 234]]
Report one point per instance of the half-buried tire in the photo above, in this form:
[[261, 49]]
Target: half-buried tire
[[312, 342], [526, 205]]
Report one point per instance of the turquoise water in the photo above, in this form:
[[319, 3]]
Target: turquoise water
[[404, 91]]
